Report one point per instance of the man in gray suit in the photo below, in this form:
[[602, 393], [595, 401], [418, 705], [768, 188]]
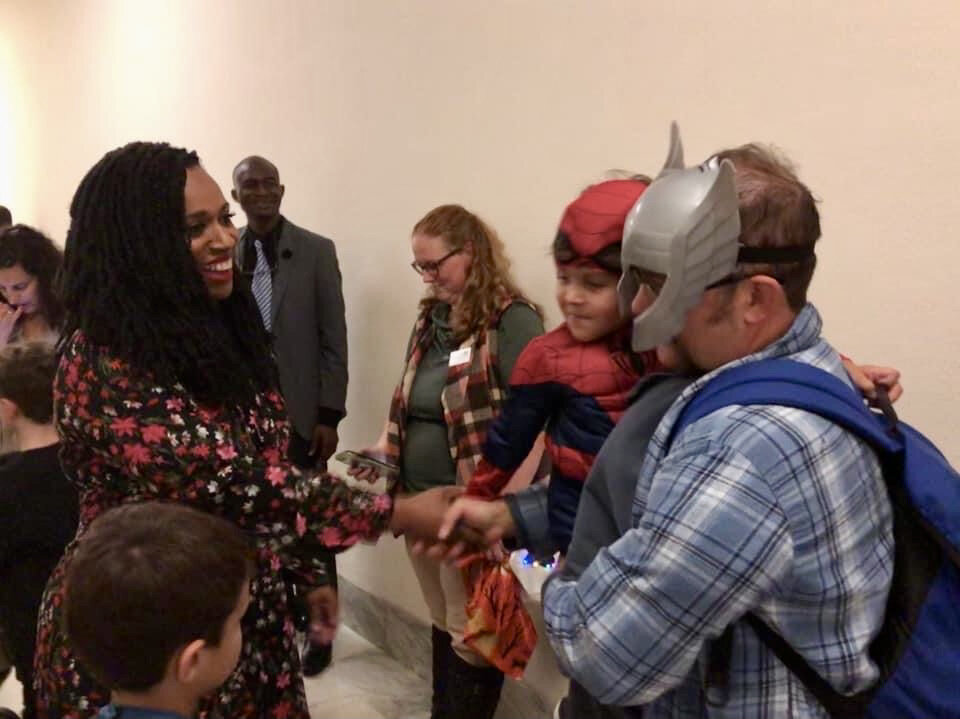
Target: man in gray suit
[[295, 279]]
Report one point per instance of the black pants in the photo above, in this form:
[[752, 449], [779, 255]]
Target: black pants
[[299, 455], [578, 704]]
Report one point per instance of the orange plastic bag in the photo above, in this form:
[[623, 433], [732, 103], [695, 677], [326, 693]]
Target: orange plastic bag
[[499, 628]]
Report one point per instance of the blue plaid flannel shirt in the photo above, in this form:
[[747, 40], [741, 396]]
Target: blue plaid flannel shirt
[[765, 509]]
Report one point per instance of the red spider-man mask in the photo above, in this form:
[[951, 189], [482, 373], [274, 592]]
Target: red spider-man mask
[[592, 225]]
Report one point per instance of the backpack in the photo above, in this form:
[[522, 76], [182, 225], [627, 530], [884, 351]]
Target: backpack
[[918, 647]]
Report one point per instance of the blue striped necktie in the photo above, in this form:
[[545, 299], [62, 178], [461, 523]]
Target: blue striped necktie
[[262, 285]]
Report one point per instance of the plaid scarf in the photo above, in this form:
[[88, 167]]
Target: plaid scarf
[[471, 397]]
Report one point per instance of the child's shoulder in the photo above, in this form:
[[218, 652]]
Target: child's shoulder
[[558, 356], [538, 361], [551, 344], [559, 338]]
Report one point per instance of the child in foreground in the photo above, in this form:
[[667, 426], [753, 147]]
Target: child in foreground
[[154, 601]]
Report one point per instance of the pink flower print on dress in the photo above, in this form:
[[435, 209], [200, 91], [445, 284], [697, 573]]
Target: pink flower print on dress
[[331, 536], [226, 452], [153, 433], [382, 503], [124, 427], [136, 454], [276, 476]]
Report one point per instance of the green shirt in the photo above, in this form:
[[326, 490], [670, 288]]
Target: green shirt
[[425, 457]]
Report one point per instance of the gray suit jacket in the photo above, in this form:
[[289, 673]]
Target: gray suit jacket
[[309, 328]]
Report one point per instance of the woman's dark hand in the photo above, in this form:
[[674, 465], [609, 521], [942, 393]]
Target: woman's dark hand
[[324, 609]]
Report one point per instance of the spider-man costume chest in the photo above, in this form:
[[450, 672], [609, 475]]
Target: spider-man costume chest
[[577, 392]]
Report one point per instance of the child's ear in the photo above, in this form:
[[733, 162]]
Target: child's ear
[[8, 410], [186, 663]]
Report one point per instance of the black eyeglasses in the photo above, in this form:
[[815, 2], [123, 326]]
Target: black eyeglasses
[[433, 267]]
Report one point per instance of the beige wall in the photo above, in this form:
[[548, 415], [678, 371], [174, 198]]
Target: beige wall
[[376, 111]]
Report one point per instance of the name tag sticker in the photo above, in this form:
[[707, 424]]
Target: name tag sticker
[[460, 356]]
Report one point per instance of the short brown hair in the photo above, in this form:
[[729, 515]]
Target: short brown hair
[[489, 281], [776, 210], [26, 379], [147, 579]]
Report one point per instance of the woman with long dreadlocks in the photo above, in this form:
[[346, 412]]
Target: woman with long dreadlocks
[[166, 390]]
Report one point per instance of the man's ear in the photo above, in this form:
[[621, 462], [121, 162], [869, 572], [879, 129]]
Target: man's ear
[[233, 194], [282, 190], [186, 662], [764, 297]]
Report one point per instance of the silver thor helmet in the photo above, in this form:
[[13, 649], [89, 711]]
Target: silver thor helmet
[[685, 226]]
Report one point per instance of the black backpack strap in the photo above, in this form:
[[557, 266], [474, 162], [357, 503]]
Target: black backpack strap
[[792, 384], [717, 677], [838, 705]]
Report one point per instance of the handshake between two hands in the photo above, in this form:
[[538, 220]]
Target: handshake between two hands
[[447, 525], [443, 523]]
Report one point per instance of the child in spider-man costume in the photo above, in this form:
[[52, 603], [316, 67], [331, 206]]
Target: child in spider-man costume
[[573, 383]]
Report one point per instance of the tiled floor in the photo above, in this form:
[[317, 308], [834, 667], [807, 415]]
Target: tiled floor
[[361, 683], [364, 683]]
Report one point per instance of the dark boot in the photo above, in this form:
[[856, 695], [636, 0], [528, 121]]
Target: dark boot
[[316, 657], [441, 660], [472, 692]]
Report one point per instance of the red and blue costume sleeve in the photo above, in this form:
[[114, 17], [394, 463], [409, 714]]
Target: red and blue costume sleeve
[[511, 437], [577, 392]]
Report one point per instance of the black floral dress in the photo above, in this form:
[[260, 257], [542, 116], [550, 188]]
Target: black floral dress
[[127, 440]]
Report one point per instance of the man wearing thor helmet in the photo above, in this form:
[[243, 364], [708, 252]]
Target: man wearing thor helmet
[[751, 509]]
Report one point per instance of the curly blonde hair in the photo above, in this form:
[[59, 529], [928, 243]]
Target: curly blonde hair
[[489, 282]]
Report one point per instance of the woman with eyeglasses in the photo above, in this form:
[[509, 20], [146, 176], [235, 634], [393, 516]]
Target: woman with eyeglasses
[[472, 325]]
